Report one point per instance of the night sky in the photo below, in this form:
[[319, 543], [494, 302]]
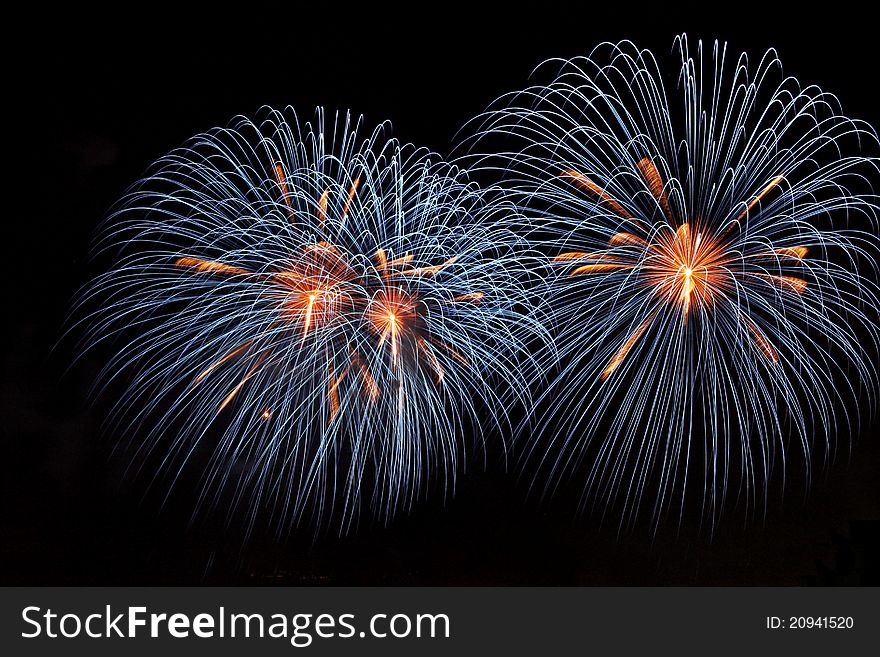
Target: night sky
[[93, 100]]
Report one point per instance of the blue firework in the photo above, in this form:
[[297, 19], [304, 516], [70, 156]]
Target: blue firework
[[324, 315], [711, 242]]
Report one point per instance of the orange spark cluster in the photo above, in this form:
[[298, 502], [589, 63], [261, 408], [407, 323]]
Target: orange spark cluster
[[320, 287], [687, 267]]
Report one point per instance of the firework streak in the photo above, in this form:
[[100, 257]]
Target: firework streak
[[323, 315], [711, 238]]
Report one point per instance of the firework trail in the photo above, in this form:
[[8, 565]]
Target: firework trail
[[324, 315], [711, 246]]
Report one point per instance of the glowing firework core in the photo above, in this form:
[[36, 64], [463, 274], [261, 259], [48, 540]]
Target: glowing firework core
[[685, 269]]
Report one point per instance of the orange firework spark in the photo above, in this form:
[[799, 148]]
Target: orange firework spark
[[761, 194], [351, 194], [282, 183], [471, 296], [585, 183], [211, 267]]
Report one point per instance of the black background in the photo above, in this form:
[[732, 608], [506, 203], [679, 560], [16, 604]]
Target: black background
[[93, 99]]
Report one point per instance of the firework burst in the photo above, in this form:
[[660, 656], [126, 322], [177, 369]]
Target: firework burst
[[322, 316], [711, 254]]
